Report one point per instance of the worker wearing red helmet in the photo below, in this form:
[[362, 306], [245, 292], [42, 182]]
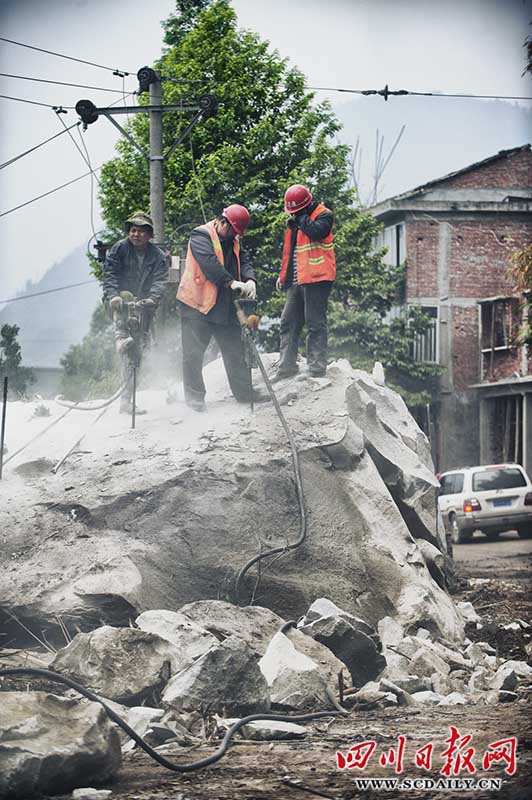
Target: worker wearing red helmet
[[215, 267], [308, 269]]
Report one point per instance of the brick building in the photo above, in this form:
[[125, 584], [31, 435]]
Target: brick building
[[456, 235]]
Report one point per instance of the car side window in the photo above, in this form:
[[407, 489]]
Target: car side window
[[449, 483], [458, 484]]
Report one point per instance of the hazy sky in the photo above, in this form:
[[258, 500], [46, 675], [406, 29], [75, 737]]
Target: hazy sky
[[455, 45]]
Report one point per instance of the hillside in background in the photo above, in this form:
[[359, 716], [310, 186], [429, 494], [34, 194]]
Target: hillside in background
[[49, 324]]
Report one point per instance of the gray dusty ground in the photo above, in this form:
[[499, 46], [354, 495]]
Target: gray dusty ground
[[509, 557]]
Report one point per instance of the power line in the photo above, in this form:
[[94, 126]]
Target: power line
[[47, 291], [114, 70], [34, 102], [386, 92], [60, 83], [51, 191], [36, 147]]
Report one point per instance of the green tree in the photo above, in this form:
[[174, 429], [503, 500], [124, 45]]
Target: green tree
[[269, 132], [91, 369], [11, 360]]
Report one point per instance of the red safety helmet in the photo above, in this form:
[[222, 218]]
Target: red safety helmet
[[238, 217], [296, 198]]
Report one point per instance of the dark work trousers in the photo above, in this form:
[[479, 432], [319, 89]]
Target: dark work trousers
[[305, 304], [196, 333]]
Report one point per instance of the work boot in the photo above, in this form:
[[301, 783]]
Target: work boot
[[126, 407], [197, 405], [282, 374], [258, 397]]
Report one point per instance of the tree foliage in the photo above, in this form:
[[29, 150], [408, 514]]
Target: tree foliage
[[268, 133], [91, 369], [11, 360]]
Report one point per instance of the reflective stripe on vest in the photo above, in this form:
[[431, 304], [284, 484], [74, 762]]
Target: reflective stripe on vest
[[194, 288], [316, 261]]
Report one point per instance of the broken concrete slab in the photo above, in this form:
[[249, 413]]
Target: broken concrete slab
[[189, 639], [413, 683], [256, 626], [428, 698], [347, 638], [504, 679], [454, 699], [294, 680], [124, 664], [226, 678], [269, 730], [425, 663], [51, 745]]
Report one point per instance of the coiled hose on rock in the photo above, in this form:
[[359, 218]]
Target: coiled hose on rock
[[165, 762]]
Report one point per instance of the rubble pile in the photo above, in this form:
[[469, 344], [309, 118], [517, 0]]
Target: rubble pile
[[232, 662]]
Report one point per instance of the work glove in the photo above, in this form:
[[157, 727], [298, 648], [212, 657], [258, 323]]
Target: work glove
[[238, 286], [250, 289], [115, 303], [278, 285], [302, 219]]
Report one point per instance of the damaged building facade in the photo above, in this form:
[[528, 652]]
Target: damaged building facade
[[456, 235]]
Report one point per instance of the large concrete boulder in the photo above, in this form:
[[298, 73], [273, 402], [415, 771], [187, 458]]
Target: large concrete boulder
[[226, 679], [123, 664], [401, 453], [169, 514], [51, 745]]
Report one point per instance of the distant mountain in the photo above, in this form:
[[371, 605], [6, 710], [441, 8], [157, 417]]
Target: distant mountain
[[442, 134], [49, 324]]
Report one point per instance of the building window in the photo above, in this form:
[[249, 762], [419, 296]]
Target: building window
[[498, 321], [393, 238], [425, 346]]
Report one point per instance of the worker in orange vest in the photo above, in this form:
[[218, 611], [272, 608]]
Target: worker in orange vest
[[216, 267], [308, 269]]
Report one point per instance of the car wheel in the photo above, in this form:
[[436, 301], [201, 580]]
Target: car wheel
[[491, 535], [458, 536], [525, 531]]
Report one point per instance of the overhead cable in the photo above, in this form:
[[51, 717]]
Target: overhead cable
[[61, 83], [46, 291], [114, 70], [45, 194], [36, 147], [34, 102], [386, 92]]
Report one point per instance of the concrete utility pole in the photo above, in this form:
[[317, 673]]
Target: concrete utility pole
[[205, 106], [156, 163]]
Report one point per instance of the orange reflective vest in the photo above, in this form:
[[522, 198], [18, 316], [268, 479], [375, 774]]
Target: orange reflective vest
[[316, 261], [194, 288]]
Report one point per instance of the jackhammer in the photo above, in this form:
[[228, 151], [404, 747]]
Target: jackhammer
[[131, 323]]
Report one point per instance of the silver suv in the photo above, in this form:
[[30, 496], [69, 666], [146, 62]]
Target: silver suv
[[490, 499]]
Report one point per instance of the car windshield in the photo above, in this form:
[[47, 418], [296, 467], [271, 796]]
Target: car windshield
[[503, 478]]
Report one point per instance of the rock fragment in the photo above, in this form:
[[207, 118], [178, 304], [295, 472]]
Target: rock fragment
[[226, 678], [123, 664], [51, 745], [294, 680]]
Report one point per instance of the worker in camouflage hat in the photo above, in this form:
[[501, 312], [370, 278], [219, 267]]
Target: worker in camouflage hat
[[135, 271]]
